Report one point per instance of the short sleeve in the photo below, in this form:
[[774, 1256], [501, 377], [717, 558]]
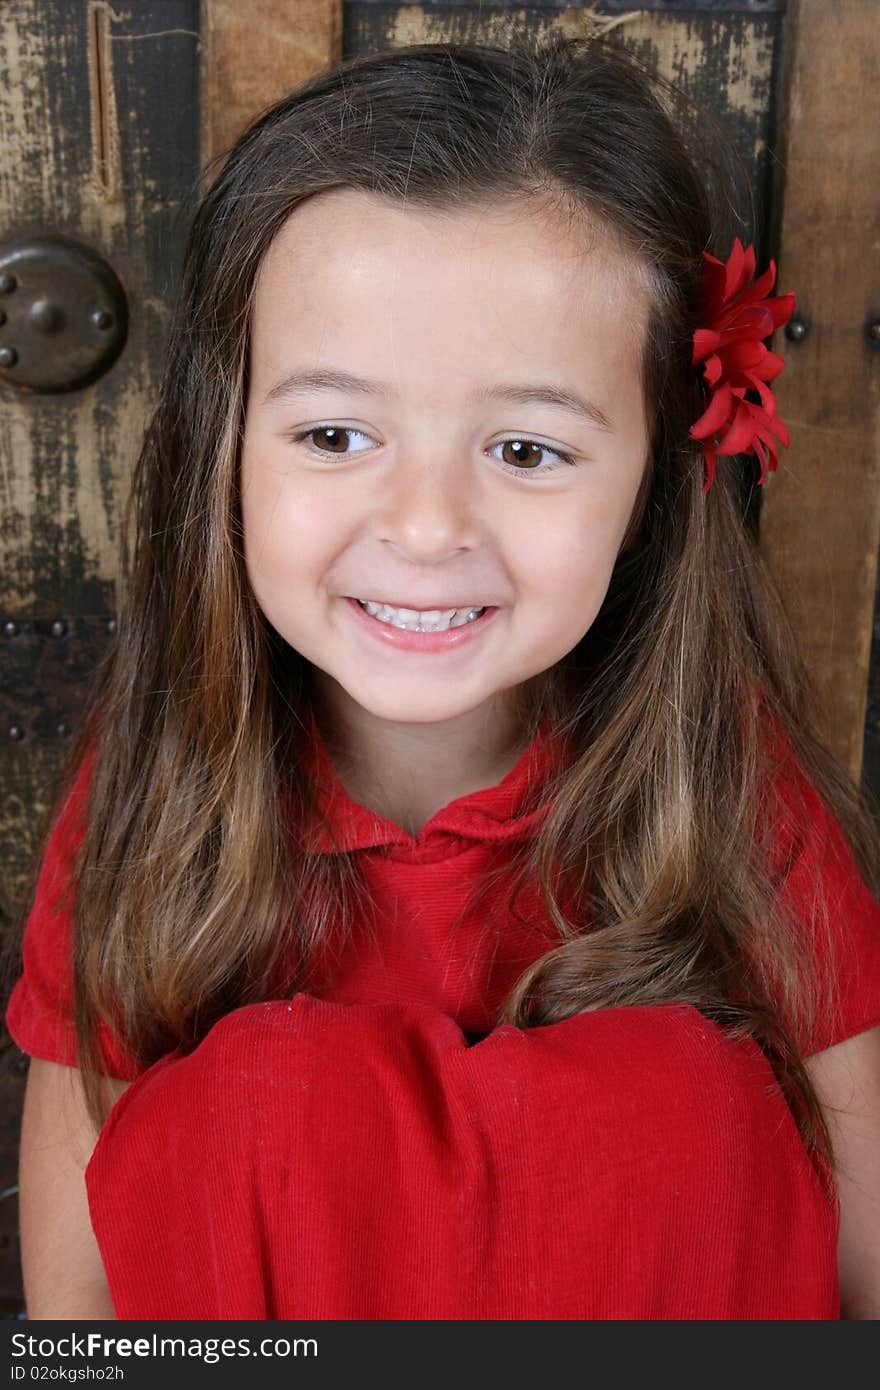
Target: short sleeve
[[40, 1010], [820, 882]]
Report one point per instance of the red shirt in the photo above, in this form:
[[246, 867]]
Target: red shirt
[[348, 1155]]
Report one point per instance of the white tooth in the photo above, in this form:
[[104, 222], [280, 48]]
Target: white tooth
[[399, 617], [432, 620]]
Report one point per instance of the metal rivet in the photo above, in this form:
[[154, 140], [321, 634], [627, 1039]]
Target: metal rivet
[[10, 627], [8, 357], [16, 731], [111, 624], [62, 729], [71, 325], [796, 329], [7, 283], [873, 331], [59, 627], [46, 317]]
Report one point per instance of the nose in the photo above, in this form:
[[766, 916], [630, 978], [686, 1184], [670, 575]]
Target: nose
[[428, 512]]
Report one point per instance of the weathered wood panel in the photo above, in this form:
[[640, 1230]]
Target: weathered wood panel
[[99, 125], [253, 54], [820, 520]]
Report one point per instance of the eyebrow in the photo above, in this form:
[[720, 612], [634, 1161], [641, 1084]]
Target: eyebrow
[[327, 379]]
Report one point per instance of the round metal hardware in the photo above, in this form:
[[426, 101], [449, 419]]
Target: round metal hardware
[[66, 315], [873, 332], [16, 731], [46, 317], [59, 627], [10, 627], [111, 625], [62, 729], [796, 329]]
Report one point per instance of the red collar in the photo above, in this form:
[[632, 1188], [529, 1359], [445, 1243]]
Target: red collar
[[490, 814]]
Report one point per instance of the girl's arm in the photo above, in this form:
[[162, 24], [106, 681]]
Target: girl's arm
[[61, 1265], [847, 1081]]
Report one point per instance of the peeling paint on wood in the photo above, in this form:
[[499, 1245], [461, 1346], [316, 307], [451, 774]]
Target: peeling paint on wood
[[99, 126], [120, 189]]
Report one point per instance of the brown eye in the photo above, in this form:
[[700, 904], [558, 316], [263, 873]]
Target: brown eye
[[336, 438], [523, 452]]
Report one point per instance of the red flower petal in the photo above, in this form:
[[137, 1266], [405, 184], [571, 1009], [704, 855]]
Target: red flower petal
[[715, 416], [780, 430], [740, 269], [759, 289], [738, 317], [706, 340], [762, 457], [712, 368], [768, 400], [741, 435], [769, 367], [741, 356], [752, 321], [781, 308]]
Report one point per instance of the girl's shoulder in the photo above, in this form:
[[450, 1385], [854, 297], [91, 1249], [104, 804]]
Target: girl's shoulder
[[40, 1010], [819, 881]]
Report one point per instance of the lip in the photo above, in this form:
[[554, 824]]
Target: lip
[[403, 640]]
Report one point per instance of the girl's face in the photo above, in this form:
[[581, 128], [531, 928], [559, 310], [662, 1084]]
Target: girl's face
[[439, 347]]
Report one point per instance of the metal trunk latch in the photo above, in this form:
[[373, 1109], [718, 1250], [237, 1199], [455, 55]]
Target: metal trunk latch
[[63, 314]]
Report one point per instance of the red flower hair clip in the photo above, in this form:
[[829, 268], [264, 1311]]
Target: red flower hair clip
[[734, 359]]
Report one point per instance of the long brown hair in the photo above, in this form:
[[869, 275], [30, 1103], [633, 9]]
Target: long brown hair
[[192, 897]]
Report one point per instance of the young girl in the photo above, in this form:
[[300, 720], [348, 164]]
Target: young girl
[[453, 886]]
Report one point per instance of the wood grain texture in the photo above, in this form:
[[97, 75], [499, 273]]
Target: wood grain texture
[[100, 134], [254, 53], [820, 518]]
